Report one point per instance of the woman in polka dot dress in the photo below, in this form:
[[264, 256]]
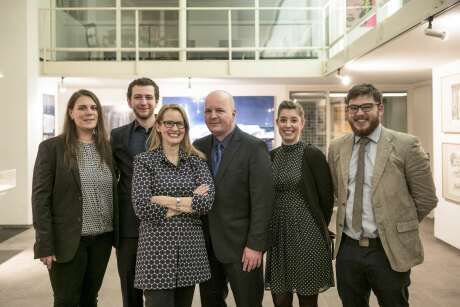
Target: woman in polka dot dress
[[172, 187], [300, 260]]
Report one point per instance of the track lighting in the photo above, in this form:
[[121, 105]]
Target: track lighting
[[429, 31]]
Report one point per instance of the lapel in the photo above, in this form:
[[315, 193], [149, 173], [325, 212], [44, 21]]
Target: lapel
[[125, 135], [346, 149], [229, 153], [76, 176], [207, 148], [384, 149]]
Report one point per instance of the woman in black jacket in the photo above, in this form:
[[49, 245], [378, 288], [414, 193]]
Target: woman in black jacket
[[300, 260], [74, 204]]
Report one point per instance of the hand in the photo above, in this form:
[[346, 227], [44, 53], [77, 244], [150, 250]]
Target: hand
[[48, 261], [172, 212], [160, 200], [251, 259], [201, 190]]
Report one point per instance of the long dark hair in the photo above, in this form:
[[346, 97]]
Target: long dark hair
[[70, 135]]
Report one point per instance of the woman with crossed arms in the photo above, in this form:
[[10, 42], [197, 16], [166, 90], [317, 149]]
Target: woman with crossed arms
[[172, 187]]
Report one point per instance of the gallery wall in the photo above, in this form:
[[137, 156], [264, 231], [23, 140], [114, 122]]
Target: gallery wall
[[447, 214]]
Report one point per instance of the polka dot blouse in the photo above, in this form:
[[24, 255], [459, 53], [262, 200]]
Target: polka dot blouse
[[171, 251]]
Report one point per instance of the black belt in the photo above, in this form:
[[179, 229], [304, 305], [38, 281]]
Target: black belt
[[364, 242]]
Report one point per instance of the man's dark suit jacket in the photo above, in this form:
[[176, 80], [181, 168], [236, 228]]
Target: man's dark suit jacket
[[129, 224], [244, 197], [57, 203]]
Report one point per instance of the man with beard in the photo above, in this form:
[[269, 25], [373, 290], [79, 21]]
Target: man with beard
[[128, 141], [384, 188]]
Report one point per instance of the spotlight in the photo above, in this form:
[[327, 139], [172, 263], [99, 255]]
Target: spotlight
[[61, 86], [429, 31], [346, 80]]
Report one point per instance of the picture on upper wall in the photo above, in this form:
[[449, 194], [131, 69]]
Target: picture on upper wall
[[254, 115], [450, 96], [49, 117], [451, 172], [116, 116]]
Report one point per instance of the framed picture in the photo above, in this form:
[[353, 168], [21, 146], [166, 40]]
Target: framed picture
[[49, 126], [450, 96], [451, 172]]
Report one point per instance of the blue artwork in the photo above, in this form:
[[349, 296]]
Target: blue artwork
[[254, 115]]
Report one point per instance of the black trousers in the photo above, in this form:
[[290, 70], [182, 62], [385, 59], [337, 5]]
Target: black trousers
[[247, 287], [362, 269], [77, 283], [126, 263], [179, 297]]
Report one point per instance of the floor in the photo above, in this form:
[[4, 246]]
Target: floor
[[24, 281]]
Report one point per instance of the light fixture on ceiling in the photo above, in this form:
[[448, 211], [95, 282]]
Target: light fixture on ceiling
[[61, 86], [1, 75], [344, 79], [429, 31]]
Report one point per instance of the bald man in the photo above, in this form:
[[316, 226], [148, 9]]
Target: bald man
[[237, 227]]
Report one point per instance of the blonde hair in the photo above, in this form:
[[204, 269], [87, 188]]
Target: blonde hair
[[185, 145]]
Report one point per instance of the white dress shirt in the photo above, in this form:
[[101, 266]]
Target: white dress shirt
[[369, 229]]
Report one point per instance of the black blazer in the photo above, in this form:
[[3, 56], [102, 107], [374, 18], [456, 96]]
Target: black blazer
[[57, 203], [244, 197], [316, 187], [123, 159]]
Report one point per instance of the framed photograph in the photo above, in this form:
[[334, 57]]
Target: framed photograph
[[49, 117], [450, 96], [451, 172]]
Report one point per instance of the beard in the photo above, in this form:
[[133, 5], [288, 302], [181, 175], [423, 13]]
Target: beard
[[143, 116], [373, 123]]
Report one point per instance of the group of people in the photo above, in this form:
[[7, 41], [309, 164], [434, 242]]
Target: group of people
[[181, 214]]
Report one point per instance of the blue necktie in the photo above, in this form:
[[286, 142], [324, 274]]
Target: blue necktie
[[216, 158]]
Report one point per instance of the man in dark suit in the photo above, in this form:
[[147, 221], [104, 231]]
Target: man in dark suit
[[128, 141], [237, 227]]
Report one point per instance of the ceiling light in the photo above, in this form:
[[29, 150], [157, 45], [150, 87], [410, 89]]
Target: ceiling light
[[429, 31], [344, 79], [61, 86], [394, 94], [1, 75]]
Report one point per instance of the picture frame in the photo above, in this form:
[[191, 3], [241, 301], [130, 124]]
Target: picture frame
[[450, 99], [48, 117], [451, 172]]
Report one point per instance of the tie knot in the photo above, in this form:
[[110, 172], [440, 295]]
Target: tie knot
[[219, 147], [364, 140]]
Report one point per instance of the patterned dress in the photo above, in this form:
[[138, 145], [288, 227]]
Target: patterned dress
[[171, 252], [299, 260]]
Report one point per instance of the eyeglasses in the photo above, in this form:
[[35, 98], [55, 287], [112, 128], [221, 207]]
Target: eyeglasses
[[170, 124], [366, 107]]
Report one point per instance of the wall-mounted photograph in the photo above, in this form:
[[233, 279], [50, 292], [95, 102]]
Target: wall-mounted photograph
[[49, 117], [451, 103], [451, 172]]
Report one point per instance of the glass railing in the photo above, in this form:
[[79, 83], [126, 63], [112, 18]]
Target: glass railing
[[189, 30], [185, 30]]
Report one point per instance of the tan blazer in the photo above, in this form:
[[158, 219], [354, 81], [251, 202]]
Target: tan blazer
[[403, 193]]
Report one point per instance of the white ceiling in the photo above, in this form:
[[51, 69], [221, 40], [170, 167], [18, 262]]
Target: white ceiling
[[410, 57], [406, 59]]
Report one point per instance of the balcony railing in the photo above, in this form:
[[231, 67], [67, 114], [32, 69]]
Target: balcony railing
[[186, 33]]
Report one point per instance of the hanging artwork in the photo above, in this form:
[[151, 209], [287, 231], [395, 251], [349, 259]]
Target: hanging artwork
[[49, 117], [451, 172], [450, 96]]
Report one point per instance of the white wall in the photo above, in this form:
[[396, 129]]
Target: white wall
[[447, 214], [420, 115], [19, 104]]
